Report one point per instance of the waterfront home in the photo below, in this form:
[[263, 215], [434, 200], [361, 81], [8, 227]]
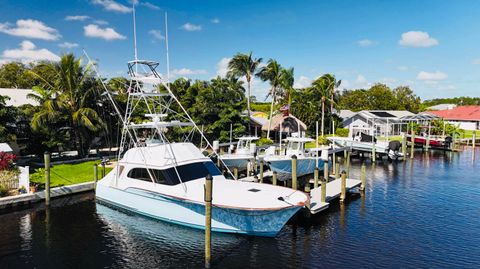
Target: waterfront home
[[466, 117], [377, 122]]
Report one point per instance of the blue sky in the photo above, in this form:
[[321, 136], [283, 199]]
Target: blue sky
[[431, 46]]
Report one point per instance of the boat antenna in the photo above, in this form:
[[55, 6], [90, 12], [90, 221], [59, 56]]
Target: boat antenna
[[166, 44], [134, 31]]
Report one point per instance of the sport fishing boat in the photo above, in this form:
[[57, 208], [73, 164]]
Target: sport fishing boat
[[164, 180], [306, 160], [240, 156]]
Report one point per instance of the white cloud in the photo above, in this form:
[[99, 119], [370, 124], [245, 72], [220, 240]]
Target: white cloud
[[100, 22], [157, 34], [215, 20], [302, 82], [360, 82], [431, 76], [476, 61], [28, 53], [191, 27], [68, 45], [111, 5], [31, 29], [150, 5], [417, 39], [360, 79], [92, 30], [187, 72], [402, 68], [77, 18], [366, 43], [222, 67]]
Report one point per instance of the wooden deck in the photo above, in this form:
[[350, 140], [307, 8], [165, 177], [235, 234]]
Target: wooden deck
[[333, 191]]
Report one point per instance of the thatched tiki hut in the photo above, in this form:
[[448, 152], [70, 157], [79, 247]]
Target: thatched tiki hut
[[288, 124]]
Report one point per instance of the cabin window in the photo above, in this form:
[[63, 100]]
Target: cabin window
[[169, 176]]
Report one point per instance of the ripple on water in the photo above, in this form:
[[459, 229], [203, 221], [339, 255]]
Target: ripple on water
[[414, 214]]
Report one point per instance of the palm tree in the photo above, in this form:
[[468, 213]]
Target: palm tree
[[73, 85], [243, 65], [287, 84], [272, 72], [333, 84], [321, 88]]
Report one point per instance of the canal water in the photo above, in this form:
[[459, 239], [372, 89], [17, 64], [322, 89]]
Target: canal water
[[421, 213]]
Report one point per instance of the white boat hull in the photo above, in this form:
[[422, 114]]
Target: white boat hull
[[283, 167], [192, 214]]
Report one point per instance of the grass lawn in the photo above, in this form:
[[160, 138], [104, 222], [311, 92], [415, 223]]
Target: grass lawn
[[469, 134], [67, 174]]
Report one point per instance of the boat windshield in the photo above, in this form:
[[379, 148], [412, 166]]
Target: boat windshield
[[168, 176], [293, 145]]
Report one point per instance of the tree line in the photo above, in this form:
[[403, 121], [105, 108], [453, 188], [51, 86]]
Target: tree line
[[73, 112]]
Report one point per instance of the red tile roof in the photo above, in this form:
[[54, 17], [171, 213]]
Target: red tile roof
[[459, 113]]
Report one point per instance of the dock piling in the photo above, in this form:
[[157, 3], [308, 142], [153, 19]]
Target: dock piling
[[46, 157], [374, 153], [323, 193], [348, 163], [474, 139], [363, 177], [294, 172], [343, 193], [325, 170], [315, 178], [95, 175], [404, 145], [337, 170], [412, 146], [274, 178], [208, 220], [261, 171]]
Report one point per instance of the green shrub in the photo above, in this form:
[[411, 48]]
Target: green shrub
[[264, 141], [3, 191], [343, 132]]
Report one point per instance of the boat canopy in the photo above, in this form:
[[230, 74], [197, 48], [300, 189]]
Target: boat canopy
[[161, 155]]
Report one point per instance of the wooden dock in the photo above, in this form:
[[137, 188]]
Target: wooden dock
[[334, 188]]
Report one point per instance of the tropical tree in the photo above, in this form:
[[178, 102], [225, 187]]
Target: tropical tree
[[321, 88], [272, 72], [287, 81], [243, 65], [71, 100]]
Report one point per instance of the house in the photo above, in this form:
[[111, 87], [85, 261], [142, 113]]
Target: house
[[442, 107], [377, 122], [345, 114], [257, 120], [18, 97], [467, 117]]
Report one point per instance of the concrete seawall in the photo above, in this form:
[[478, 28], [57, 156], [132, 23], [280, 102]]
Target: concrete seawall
[[10, 203]]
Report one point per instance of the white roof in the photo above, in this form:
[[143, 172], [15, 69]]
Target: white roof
[[299, 139], [161, 155], [5, 148], [248, 138], [18, 97], [442, 107], [345, 114]]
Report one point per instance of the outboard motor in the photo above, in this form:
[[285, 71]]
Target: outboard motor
[[448, 142], [394, 149]]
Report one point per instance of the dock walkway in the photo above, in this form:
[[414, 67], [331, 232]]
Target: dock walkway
[[334, 189]]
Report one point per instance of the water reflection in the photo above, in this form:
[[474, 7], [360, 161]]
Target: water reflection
[[421, 212]]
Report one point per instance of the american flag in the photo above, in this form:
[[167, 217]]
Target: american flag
[[285, 107]]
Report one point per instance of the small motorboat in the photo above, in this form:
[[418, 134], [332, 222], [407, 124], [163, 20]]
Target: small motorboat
[[306, 160]]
